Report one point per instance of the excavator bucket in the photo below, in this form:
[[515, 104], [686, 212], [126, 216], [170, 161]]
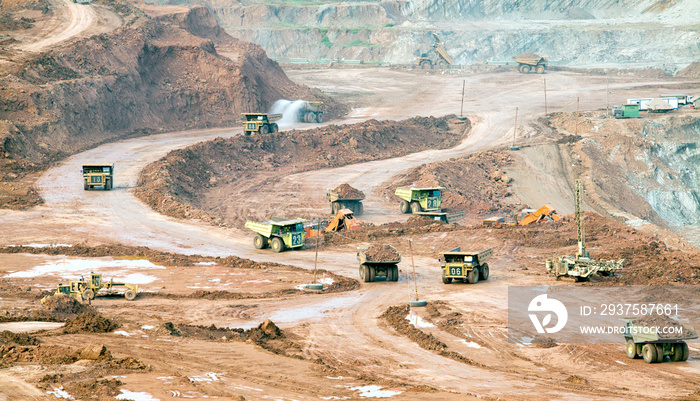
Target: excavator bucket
[[343, 220], [540, 214]]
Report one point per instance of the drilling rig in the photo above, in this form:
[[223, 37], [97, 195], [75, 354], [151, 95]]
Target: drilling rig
[[581, 267]]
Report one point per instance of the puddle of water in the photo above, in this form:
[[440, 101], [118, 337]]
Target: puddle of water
[[207, 377], [470, 344], [312, 311], [73, 268], [375, 392], [136, 396], [417, 321], [26, 327], [60, 393]]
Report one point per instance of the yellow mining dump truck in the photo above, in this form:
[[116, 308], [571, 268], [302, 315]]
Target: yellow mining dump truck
[[466, 266], [531, 62], [437, 57], [98, 175], [378, 261], [279, 233], [652, 344], [345, 197], [91, 287], [260, 122], [311, 112]]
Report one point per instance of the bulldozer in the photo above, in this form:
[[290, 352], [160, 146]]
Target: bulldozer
[[343, 220], [436, 57], [581, 267], [89, 288]]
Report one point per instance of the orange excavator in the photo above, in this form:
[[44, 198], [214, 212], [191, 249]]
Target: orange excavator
[[543, 213], [343, 220]]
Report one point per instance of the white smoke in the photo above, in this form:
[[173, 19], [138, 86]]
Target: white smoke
[[289, 110]]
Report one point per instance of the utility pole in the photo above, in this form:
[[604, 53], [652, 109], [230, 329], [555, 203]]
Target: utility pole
[[545, 95], [515, 128], [578, 100], [461, 109], [607, 93]]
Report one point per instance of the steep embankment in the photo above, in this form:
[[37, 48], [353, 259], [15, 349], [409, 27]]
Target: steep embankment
[[241, 177], [643, 170], [155, 74], [574, 33]]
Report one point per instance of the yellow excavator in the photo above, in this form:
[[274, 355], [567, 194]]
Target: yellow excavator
[[343, 220]]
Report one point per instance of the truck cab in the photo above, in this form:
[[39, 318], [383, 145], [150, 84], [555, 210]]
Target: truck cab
[[98, 175]]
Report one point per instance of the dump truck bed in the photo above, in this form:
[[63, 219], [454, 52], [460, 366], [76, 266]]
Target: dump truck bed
[[334, 197], [479, 257], [262, 117], [407, 193], [638, 334], [363, 258]]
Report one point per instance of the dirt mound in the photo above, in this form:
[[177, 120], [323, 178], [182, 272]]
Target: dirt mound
[[370, 233], [691, 71], [41, 354], [8, 337], [171, 71], [345, 191], [574, 379], [382, 253], [95, 352], [62, 306], [129, 363], [476, 183], [661, 321], [94, 389], [395, 316], [89, 322], [202, 181]]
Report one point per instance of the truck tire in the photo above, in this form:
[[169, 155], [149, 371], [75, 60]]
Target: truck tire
[[396, 273], [372, 273], [415, 207], [310, 117], [130, 295], [649, 353], [524, 68], [540, 69], [484, 272], [425, 65], [659, 353], [631, 349], [246, 133], [108, 185], [274, 128], [319, 118], [473, 276], [686, 351], [442, 65], [277, 245], [405, 207], [445, 279], [259, 242], [389, 273], [335, 206], [365, 273], [89, 294], [677, 352], [360, 209], [264, 129], [85, 185]]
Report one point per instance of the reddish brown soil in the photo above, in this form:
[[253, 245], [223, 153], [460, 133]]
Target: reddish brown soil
[[175, 184], [691, 71], [61, 102], [382, 253], [475, 184], [345, 191]]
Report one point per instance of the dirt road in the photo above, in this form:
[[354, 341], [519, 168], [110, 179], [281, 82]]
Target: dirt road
[[344, 331], [75, 18]]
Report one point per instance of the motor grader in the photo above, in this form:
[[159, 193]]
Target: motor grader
[[89, 288]]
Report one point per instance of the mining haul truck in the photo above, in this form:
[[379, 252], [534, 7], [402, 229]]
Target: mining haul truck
[[311, 112], [643, 342], [339, 200], [98, 175], [278, 233], [378, 261], [437, 57], [531, 62], [466, 266], [260, 122]]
